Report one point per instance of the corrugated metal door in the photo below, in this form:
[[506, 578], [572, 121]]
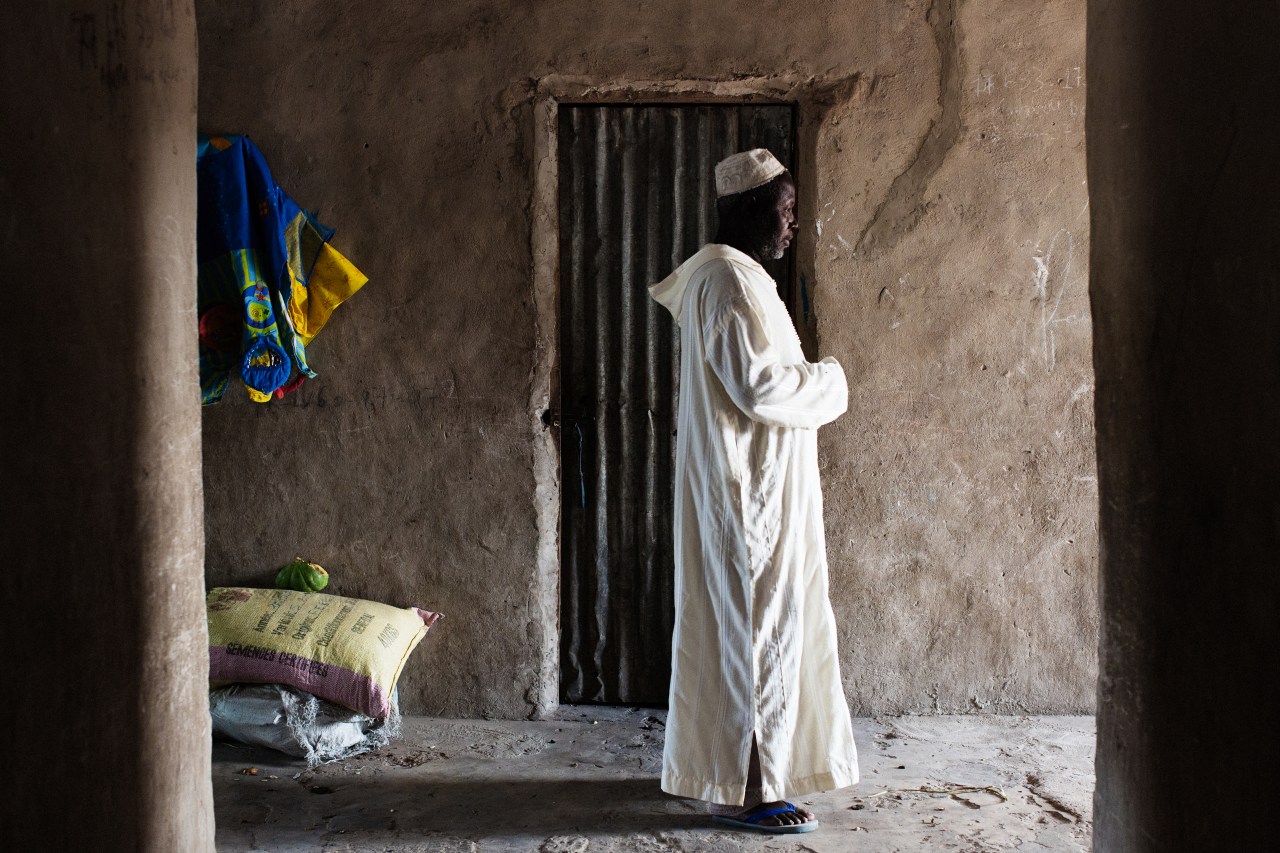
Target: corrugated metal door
[[637, 197]]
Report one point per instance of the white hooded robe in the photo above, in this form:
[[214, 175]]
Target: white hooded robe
[[754, 648]]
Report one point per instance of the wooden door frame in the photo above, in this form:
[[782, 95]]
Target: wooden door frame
[[810, 104]]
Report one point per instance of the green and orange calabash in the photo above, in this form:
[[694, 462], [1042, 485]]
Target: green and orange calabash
[[303, 576]]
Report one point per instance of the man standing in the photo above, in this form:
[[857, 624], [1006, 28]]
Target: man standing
[[757, 711]]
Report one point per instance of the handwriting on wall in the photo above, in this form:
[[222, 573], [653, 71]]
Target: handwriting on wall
[[1014, 104], [372, 399]]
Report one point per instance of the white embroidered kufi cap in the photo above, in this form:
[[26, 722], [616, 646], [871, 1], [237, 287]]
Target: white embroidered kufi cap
[[746, 171]]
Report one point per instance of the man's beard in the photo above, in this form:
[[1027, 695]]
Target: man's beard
[[775, 247]]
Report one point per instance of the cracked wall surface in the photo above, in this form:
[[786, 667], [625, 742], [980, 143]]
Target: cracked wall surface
[[904, 203], [944, 248]]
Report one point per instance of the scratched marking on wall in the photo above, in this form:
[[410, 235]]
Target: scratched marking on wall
[[1023, 102], [1053, 276]]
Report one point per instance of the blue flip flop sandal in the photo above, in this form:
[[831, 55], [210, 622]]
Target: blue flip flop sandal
[[753, 822]]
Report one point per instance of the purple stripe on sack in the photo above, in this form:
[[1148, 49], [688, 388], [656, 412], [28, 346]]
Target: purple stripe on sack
[[334, 683]]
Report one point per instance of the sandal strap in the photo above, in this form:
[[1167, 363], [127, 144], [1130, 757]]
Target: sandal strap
[[756, 817]]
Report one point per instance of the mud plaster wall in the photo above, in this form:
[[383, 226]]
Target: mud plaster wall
[[942, 183], [106, 724], [1186, 299]]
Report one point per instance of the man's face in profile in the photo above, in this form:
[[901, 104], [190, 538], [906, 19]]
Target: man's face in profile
[[779, 222]]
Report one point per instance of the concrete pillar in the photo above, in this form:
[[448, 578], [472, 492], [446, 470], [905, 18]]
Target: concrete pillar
[[1184, 177], [102, 632]]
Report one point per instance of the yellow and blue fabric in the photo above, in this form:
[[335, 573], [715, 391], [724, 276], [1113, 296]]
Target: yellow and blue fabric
[[268, 278]]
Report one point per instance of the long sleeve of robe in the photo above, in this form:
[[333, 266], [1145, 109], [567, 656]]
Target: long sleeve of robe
[[754, 649]]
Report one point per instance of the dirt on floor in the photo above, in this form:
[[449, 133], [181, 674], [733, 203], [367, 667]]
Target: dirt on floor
[[588, 781]]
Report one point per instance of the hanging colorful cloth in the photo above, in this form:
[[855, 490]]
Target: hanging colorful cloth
[[268, 278]]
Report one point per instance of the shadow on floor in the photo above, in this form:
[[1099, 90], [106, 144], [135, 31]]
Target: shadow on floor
[[548, 808], [430, 803]]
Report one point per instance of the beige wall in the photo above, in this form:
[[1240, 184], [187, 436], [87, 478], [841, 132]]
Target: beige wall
[[942, 182]]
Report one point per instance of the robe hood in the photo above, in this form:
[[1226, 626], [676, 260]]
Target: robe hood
[[669, 293]]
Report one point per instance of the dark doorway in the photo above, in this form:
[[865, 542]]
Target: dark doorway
[[637, 197]]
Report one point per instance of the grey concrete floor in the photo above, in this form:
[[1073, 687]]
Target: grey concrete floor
[[588, 781]]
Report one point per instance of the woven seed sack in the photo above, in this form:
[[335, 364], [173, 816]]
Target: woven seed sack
[[346, 650]]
